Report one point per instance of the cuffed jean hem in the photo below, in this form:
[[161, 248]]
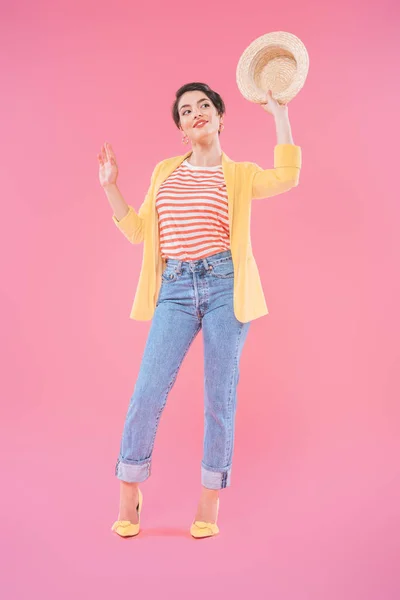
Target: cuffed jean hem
[[132, 473], [215, 480]]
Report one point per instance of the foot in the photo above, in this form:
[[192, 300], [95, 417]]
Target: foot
[[129, 499], [207, 508]]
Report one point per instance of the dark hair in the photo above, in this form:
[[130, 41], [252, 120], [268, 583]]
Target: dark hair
[[202, 87]]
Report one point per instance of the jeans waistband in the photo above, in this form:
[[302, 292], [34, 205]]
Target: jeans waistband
[[201, 262]]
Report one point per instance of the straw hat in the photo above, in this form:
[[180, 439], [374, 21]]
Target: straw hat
[[276, 61]]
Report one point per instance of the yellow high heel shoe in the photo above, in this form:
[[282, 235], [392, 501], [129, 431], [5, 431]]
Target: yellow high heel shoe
[[201, 529], [126, 528]]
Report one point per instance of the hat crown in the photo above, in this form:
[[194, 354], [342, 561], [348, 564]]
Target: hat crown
[[276, 61]]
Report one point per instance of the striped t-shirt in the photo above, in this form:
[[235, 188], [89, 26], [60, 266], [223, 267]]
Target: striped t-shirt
[[192, 207]]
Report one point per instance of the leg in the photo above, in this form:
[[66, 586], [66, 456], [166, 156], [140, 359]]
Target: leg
[[224, 337], [171, 334]]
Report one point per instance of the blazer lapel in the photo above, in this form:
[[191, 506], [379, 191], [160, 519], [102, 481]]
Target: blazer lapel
[[228, 167], [167, 168]]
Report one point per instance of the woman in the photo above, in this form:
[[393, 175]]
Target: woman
[[198, 272]]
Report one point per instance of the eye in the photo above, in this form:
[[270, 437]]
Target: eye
[[204, 104]]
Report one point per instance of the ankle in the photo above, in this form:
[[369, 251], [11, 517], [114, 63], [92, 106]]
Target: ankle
[[131, 487], [209, 494]]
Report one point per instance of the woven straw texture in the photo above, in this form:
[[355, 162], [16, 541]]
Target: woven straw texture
[[276, 61]]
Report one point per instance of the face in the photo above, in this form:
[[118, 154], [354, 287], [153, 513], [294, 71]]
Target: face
[[194, 107]]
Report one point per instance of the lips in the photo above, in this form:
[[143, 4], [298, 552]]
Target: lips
[[200, 123]]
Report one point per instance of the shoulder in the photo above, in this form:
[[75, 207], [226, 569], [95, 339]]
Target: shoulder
[[169, 162], [245, 167], [172, 159]]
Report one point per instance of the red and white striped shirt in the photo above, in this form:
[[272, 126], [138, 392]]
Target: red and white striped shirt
[[192, 207]]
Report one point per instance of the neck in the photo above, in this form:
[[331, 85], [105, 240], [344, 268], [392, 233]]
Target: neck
[[206, 154]]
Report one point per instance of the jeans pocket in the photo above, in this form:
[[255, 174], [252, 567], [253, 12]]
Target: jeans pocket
[[222, 269], [169, 274]]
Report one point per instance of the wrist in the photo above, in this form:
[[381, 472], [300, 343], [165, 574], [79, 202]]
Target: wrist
[[109, 187], [281, 117]]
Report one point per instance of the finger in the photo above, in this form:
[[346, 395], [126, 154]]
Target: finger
[[100, 159], [267, 96], [110, 151]]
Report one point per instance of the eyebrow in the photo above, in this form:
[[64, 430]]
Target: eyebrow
[[201, 100]]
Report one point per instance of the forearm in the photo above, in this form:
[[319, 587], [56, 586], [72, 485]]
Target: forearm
[[118, 204], [283, 130], [287, 164]]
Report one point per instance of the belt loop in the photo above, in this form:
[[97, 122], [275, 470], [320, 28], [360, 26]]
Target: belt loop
[[205, 263], [179, 267]]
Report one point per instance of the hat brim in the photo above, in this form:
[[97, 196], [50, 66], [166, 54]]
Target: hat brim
[[276, 61]]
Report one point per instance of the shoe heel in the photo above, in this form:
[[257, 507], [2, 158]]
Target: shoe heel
[[140, 503]]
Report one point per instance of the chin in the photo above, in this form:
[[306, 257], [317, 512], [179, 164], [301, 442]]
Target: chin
[[201, 134]]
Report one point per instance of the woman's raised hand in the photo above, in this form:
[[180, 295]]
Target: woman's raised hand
[[108, 168]]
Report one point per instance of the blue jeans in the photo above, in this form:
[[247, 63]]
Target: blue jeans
[[194, 295]]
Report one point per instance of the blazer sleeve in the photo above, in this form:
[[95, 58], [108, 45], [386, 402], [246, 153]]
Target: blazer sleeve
[[132, 225], [284, 175]]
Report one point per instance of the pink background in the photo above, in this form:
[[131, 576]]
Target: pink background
[[313, 511]]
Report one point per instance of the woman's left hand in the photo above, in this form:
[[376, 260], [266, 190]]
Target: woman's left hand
[[273, 107]]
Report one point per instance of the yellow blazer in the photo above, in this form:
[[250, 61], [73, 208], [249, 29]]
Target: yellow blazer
[[244, 181]]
